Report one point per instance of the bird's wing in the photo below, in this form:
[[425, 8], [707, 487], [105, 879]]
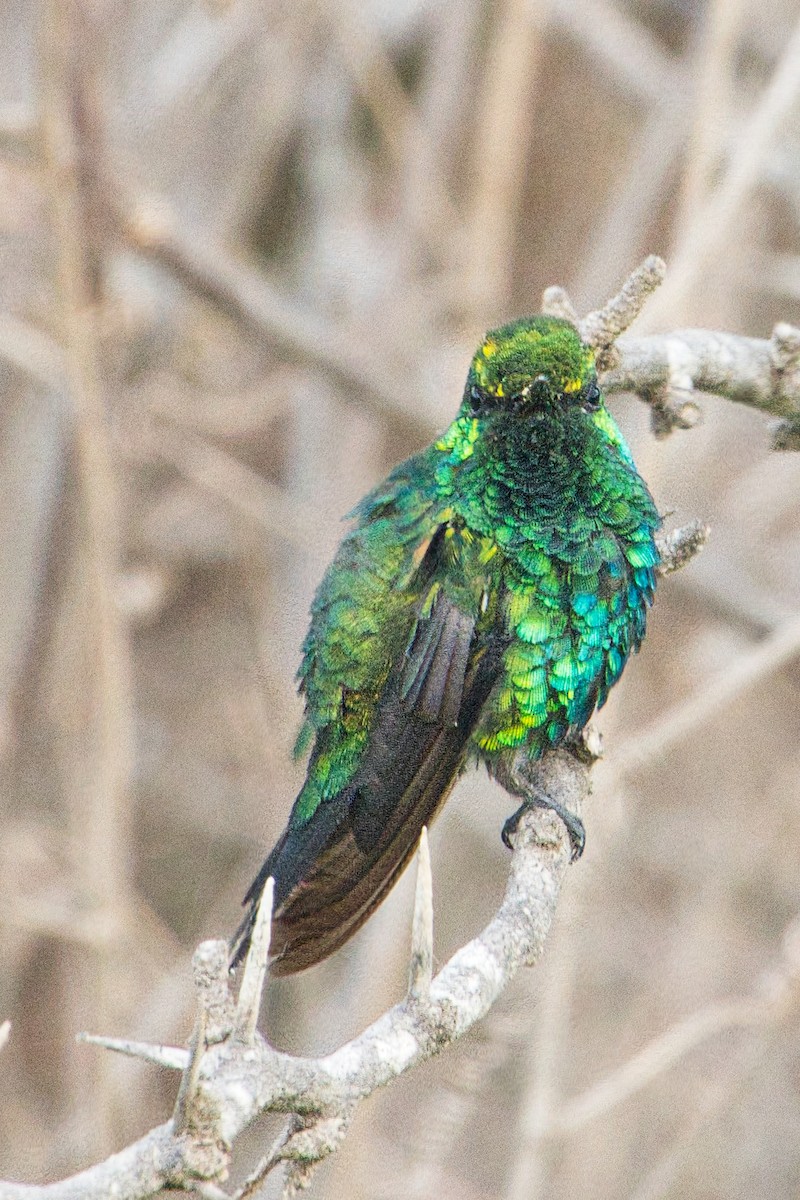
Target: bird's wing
[[348, 855], [432, 677], [345, 845]]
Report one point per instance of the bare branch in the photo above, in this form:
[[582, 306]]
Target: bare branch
[[231, 1074], [602, 327], [679, 546], [761, 374], [666, 370]]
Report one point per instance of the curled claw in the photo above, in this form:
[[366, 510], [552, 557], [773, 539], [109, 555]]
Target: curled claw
[[575, 827]]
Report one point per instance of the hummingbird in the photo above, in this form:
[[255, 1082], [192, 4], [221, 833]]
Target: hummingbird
[[483, 604]]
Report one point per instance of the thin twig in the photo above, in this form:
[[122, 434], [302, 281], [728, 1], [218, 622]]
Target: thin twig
[[689, 716], [172, 1057], [262, 309], [602, 328], [255, 968], [556, 303], [421, 967], [266, 1165], [182, 1113]]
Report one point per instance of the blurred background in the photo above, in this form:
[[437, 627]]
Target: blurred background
[[247, 249]]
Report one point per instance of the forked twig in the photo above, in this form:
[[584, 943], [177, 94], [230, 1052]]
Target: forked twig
[[602, 327]]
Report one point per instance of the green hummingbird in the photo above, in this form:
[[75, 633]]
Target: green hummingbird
[[482, 606]]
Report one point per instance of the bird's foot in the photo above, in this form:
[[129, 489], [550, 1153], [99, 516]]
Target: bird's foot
[[575, 829]]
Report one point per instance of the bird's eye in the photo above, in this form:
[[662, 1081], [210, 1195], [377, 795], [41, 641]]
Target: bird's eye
[[478, 399], [592, 398]]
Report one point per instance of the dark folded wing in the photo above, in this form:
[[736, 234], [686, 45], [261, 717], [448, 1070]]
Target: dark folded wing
[[401, 590], [334, 870], [355, 855], [432, 682]]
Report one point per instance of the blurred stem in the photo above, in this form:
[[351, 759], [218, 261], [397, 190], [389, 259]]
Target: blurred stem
[[714, 73], [503, 120], [718, 219], [715, 1099], [80, 295], [528, 1179], [94, 705], [449, 71], [634, 201], [375, 77]]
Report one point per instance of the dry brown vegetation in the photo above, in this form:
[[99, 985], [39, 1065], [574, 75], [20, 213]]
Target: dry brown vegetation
[[247, 248]]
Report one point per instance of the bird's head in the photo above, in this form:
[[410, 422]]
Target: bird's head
[[536, 367]]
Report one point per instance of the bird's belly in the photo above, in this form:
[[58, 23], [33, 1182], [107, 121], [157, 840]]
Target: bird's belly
[[570, 629]]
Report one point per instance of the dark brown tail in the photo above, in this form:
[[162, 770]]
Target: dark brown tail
[[332, 871]]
